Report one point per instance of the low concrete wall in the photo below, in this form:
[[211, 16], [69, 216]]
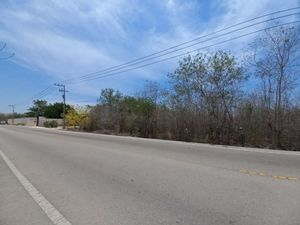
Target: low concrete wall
[[31, 121]]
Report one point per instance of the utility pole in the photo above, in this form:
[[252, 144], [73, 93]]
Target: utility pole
[[13, 114], [63, 90]]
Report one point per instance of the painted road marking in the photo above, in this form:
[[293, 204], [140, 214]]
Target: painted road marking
[[54, 215], [263, 174]]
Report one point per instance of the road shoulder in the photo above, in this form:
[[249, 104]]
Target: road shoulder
[[16, 205]]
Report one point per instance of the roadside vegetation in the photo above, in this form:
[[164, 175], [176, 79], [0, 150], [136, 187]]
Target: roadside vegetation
[[209, 99], [212, 97]]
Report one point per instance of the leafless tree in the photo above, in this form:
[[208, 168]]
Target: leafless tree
[[275, 55]]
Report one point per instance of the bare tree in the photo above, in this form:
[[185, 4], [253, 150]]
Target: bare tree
[[274, 58]]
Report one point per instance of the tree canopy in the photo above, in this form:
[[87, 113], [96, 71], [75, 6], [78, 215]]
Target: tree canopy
[[42, 108]]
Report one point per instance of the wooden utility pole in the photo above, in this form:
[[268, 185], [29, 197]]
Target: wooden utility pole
[[13, 113], [63, 90]]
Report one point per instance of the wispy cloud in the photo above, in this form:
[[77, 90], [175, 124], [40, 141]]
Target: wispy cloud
[[64, 39]]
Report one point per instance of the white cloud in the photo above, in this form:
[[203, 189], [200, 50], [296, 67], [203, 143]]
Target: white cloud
[[69, 38]]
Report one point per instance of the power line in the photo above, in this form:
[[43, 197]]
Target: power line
[[182, 54], [165, 51], [45, 90], [46, 93], [48, 90], [108, 72], [176, 50]]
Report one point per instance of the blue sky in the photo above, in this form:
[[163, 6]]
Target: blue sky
[[57, 40]]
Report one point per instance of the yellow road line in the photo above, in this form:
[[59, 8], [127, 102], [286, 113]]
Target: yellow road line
[[279, 177], [264, 174]]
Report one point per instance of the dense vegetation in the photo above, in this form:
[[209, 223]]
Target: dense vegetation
[[42, 108]]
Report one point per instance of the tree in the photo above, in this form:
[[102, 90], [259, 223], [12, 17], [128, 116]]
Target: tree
[[142, 111], [109, 102], [275, 55], [38, 109], [207, 102], [152, 96], [77, 116], [207, 86], [3, 117], [110, 97], [55, 110]]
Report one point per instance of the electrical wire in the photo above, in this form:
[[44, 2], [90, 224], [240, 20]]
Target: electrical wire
[[108, 72], [165, 51], [186, 53]]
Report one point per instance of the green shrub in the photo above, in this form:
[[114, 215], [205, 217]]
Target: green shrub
[[53, 124]]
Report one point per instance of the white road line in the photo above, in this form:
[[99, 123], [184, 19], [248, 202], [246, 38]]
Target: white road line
[[54, 215]]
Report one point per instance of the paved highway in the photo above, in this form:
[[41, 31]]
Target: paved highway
[[54, 177]]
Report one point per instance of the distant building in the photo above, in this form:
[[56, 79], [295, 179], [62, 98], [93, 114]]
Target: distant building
[[31, 121]]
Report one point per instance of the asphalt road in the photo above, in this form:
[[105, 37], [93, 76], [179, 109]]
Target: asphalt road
[[109, 180]]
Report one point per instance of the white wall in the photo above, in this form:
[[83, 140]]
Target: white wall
[[31, 121]]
